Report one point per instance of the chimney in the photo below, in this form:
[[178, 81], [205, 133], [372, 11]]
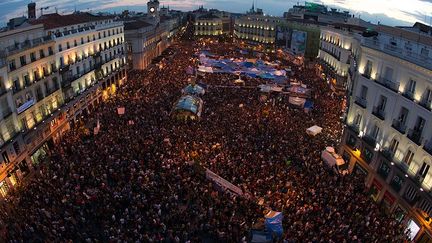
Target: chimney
[[31, 10]]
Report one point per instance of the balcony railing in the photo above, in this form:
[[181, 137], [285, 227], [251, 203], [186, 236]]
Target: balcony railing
[[3, 91], [378, 112], [426, 104], [361, 101], [7, 112], [415, 136], [428, 146], [19, 47], [388, 154], [408, 95], [388, 84], [398, 125], [369, 140]]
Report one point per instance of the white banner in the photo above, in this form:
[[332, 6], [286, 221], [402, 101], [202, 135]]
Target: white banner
[[223, 183]]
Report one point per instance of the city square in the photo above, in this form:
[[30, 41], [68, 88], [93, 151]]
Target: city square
[[210, 126]]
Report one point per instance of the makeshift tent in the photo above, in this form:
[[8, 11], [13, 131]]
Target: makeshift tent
[[248, 64], [258, 236], [205, 69], [297, 101], [314, 130], [188, 107], [267, 76], [267, 88], [279, 73], [194, 90], [239, 81], [309, 104], [334, 160], [273, 222]]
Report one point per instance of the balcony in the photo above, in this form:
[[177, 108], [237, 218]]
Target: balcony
[[370, 140], [408, 94], [3, 91], [415, 136], [367, 74], [39, 96], [387, 153], [7, 112], [19, 47], [428, 146], [378, 112], [426, 104], [361, 102], [400, 126], [52, 90], [393, 86]]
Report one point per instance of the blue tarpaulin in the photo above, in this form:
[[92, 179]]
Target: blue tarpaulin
[[194, 90], [248, 64], [260, 236], [273, 223], [243, 52], [267, 76], [188, 103], [309, 104]]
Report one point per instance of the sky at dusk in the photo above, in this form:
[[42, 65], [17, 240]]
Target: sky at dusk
[[390, 12]]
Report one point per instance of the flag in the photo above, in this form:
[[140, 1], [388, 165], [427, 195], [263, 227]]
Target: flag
[[273, 222]]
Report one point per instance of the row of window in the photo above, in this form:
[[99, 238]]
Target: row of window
[[26, 59], [387, 80], [82, 41], [36, 75]]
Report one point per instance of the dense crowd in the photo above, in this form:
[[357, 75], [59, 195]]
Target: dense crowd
[[139, 178]]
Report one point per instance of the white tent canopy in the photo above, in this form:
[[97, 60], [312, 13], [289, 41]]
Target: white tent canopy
[[314, 130], [297, 101], [267, 88], [334, 160]]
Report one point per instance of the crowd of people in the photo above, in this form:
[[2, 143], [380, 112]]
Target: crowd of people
[[140, 179]]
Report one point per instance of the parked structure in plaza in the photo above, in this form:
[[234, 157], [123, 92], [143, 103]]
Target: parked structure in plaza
[[55, 69], [388, 138]]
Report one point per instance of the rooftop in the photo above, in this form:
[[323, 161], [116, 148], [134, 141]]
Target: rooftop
[[208, 16], [54, 20], [136, 25], [405, 34]]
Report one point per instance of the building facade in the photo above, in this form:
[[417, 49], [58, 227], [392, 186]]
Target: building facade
[[336, 49], [257, 30], [208, 25], [388, 135], [55, 70]]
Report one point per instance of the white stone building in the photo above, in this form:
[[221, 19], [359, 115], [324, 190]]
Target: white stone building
[[54, 70], [388, 138]]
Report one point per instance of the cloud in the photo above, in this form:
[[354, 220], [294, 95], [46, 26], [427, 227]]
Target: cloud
[[402, 10], [394, 11]]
